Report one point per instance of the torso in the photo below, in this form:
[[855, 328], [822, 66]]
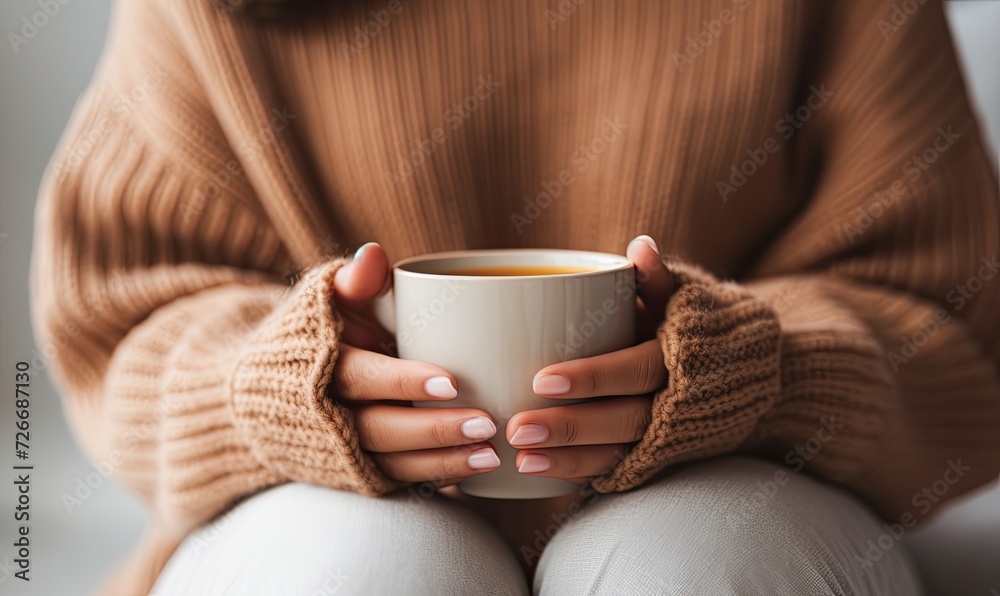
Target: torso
[[458, 119]]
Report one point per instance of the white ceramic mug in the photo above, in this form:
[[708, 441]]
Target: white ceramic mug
[[493, 333]]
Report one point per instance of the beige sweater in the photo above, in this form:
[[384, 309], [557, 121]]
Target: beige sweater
[[814, 167]]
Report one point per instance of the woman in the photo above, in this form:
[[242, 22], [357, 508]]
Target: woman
[[778, 432]]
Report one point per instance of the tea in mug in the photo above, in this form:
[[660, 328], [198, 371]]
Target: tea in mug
[[514, 270]]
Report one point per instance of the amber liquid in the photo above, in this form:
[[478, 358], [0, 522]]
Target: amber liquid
[[507, 271]]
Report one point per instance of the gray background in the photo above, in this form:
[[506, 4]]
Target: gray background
[[71, 552], [39, 85]]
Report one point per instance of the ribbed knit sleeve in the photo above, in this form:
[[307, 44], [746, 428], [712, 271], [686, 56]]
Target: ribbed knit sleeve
[[721, 347], [864, 348], [158, 298]]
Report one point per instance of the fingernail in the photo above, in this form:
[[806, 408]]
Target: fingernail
[[529, 434], [649, 242], [440, 387], [534, 462], [361, 251], [550, 384], [479, 428], [483, 459]]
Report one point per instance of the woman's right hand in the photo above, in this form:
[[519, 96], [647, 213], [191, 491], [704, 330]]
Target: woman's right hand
[[438, 445]]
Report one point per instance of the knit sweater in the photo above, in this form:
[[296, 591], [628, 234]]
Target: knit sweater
[[813, 169]]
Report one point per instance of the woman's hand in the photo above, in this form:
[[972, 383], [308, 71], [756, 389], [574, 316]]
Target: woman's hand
[[580, 441], [441, 445]]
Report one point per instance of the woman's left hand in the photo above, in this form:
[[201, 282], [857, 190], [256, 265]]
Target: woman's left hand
[[581, 441]]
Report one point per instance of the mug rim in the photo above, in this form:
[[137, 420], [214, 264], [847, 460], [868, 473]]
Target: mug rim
[[620, 263]]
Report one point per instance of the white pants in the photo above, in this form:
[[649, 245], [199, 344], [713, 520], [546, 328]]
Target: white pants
[[718, 527]]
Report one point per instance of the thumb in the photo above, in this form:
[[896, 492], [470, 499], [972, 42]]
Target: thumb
[[654, 283], [365, 277]]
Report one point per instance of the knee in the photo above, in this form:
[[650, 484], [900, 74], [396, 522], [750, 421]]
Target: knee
[[401, 543], [327, 541], [729, 526]]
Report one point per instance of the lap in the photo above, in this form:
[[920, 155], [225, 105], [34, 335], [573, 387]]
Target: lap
[[726, 526]]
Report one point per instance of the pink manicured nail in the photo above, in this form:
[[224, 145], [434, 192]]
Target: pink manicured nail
[[550, 384], [534, 462], [483, 459], [649, 242], [359, 254], [440, 387], [479, 428], [529, 434]]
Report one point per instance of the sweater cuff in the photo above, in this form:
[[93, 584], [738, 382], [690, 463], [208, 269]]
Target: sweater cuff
[[280, 399], [721, 350]]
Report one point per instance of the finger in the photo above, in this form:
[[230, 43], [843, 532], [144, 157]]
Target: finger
[[362, 375], [632, 371], [386, 428], [569, 462], [365, 277], [438, 464], [654, 283], [610, 421], [362, 332]]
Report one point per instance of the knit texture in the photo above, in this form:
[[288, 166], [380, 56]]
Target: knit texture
[[816, 175], [721, 350], [280, 394]]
